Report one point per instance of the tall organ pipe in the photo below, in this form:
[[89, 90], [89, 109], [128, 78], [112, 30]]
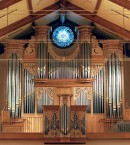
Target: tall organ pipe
[[29, 95], [114, 85], [41, 55], [85, 64], [98, 93], [14, 86]]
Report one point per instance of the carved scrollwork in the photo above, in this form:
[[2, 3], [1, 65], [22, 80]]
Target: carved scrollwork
[[63, 58], [42, 90], [65, 101], [86, 36], [108, 52], [41, 37], [112, 47], [96, 68], [18, 52], [41, 33], [30, 50], [15, 47], [53, 131], [86, 90], [96, 50], [31, 67]]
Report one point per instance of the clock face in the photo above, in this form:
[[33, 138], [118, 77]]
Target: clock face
[[63, 36]]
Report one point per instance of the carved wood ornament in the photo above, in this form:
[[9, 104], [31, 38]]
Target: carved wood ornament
[[41, 90], [85, 35], [112, 46], [30, 50], [14, 47], [64, 58], [31, 67]]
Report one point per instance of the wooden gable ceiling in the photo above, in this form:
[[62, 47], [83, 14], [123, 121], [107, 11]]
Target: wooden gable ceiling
[[113, 16]]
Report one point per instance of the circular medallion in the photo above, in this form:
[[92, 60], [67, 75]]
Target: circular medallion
[[63, 36]]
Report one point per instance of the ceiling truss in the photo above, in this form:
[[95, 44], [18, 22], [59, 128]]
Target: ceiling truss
[[65, 5], [96, 19], [5, 4], [29, 19], [123, 3]]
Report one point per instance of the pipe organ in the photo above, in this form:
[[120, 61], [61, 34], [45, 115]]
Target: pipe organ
[[85, 56], [44, 97], [13, 93], [41, 56], [39, 73], [29, 95], [114, 79], [64, 122], [98, 92]]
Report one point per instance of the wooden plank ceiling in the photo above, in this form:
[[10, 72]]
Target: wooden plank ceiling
[[112, 15]]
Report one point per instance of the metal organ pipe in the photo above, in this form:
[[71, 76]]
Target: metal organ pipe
[[41, 55], [44, 100], [29, 98], [97, 93], [100, 95], [17, 91], [61, 69], [65, 119], [98, 98], [14, 86], [85, 64], [110, 84], [114, 85], [101, 85], [88, 69], [81, 97], [107, 88], [27, 91], [120, 88], [9, 95]]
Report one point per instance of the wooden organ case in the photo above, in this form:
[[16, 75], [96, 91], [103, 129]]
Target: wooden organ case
[[67, 87]]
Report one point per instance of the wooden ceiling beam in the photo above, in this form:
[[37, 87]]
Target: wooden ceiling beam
[[123, 3], [4, 4], [96, 19], [98, 4], [29, 19], [63, 2], [29, 2]]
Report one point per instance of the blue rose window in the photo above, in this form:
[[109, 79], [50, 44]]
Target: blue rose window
[[63, 36]]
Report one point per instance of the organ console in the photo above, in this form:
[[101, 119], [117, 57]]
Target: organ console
[[65, 122]]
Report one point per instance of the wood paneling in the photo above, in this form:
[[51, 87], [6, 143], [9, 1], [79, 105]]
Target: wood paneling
[[33, 123], [36, 136], [28, 19], [3, 73], [93, 124], [7, 3], [97, 7], [123, 3], [30, 6], [99, 20], [127, 114], [64, 82]]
